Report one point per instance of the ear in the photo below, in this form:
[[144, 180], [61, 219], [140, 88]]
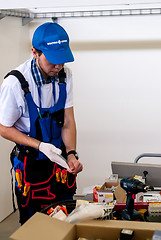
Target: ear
[[35, 53]]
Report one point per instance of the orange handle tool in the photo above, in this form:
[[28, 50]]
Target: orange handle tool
[[26, 189], [19, 177], [58, 174], [63, 176]]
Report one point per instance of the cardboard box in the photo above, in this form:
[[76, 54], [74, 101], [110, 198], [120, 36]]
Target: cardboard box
[[119, 193], [109, 185], [105, 194], [43, 227]]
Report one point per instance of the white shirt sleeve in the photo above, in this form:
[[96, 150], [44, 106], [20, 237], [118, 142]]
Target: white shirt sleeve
[[10, 110]]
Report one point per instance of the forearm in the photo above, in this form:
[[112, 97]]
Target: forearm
[[14, 135], [69, 131], [69, 139]]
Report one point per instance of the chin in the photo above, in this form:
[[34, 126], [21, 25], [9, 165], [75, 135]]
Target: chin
[[52, 74]]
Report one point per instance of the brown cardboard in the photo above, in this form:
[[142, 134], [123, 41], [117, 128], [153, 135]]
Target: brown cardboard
[[110, 229], [108, 185], [119, 193], [43, 227]]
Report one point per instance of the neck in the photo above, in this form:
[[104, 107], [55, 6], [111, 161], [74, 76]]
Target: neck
[[44, 74]]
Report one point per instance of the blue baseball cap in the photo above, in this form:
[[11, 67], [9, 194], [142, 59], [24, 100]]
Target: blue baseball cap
[[53, 41]]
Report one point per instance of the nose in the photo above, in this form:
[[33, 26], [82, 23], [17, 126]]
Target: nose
[[59, 66]]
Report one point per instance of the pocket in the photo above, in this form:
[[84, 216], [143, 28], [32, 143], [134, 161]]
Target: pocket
[[45, 127], [56, 130], [43, 193]]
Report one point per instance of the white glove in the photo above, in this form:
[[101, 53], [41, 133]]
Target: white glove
[[53, 153], [48, 149]]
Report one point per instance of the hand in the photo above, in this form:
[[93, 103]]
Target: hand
[[53, 154], [74, 164], [48, 149]]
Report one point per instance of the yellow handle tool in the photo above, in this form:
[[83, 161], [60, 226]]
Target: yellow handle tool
[[64, 176], [58, 174], [19, 177], [26, 189]]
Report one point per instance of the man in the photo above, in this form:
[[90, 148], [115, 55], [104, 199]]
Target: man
[[36, 112]]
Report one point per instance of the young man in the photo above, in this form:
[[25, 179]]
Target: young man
[[38, 116]]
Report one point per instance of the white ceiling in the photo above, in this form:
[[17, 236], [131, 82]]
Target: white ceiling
[[64, 5]]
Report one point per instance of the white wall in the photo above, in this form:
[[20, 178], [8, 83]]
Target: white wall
[[117, 85], [14, 49]]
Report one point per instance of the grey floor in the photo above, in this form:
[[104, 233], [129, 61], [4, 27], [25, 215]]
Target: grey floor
[[9, 225]]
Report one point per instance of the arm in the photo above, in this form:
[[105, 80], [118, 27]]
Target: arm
[[14, 135], [69, 139], [11, 104]]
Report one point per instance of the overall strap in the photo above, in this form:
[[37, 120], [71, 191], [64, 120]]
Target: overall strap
[[30, 103], [62, 91], [62, 76], [22, 80]]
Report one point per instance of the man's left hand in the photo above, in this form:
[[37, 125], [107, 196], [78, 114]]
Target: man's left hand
[[74, 164]]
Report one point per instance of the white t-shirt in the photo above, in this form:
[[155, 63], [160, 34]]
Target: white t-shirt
[[13, 106]]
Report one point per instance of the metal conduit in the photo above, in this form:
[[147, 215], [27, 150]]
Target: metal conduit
[[28, 16], [100, 13]]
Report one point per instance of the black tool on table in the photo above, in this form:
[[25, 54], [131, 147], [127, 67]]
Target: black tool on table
[[132, 186]]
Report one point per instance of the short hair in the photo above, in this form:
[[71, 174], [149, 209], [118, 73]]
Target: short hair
[[39, 52]]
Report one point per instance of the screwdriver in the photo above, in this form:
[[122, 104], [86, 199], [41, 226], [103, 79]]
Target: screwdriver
[[63, 176], [26, 189], [19, 177]]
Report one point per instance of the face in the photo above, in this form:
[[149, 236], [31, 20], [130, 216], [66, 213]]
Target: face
[[46, 68]]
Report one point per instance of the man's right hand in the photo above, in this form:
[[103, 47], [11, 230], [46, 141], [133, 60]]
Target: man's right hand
[[54, 154], [48, 149]]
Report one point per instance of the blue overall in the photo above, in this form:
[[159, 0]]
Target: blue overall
[[38, 173]]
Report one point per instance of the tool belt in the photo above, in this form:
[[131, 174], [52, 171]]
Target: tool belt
[[39, 182]]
